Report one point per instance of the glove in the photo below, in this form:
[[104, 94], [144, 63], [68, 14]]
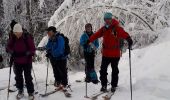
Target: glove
[[130, 42], [13, 54], [28, 53], [48, 55], [41, 48]]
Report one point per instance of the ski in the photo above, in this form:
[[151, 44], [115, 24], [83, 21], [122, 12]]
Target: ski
[[49, 93], [108, 96], [79, 81], [96, 95], [12, 90], [67, 94]]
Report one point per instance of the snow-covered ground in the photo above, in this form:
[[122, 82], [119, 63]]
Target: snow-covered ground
[[150, 72]]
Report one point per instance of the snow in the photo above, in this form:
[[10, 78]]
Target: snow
[[41, 4], [150, 75], [65, 5]]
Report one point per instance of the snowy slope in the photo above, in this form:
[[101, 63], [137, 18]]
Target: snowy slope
[[150, 71]]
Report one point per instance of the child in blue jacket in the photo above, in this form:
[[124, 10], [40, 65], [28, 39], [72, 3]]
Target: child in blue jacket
[[89, 54]]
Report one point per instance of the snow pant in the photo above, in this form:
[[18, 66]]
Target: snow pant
[[115, 71], [26, 68], [89, 59], [60, 71]]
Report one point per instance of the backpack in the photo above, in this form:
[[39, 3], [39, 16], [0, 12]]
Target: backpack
[[67, 50], [122, 41]]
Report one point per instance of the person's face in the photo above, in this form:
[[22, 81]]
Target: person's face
[[50, 34], [108, 21], [18, 34], [89, 29]]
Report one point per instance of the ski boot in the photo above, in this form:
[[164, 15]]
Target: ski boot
[[31, 96], [103, 89], [113, 89], [20, 94], [56, 84]]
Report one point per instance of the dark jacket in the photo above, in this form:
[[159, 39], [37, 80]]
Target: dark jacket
[[56, 47], [22, 49]]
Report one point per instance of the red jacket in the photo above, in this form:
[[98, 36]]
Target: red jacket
[[111, 42]]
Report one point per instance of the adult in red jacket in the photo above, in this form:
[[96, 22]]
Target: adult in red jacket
[[21, 47], [111, 33]]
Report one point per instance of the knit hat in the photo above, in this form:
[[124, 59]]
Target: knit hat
[[17, 28], [51, 28], [108, 15]]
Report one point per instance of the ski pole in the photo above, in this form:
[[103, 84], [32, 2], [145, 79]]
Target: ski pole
[[69, 84], [35, 80], [10, 70], [86, 96], [47, 76], [130, 66]]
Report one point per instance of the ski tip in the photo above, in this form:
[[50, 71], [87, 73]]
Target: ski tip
[[42, 95], [86, 97], [78, 81], [69, 96], [36, 92]]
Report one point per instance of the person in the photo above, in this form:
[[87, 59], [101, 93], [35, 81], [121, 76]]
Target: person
[[89, 54], [56, 53], [22, 49], [1, 59], [12, 24], [111, 33], [11, 35]]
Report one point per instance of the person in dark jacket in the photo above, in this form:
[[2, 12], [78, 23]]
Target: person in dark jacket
[[22, 49], [56, 53], [12, 24], [12, 35], [111, 33], [89, 53], [1, 59]]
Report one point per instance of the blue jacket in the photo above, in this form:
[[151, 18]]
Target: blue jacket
[[83, 41], [56, 47]]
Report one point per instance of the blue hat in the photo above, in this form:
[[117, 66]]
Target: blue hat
[[108, 15]]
